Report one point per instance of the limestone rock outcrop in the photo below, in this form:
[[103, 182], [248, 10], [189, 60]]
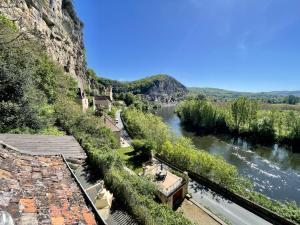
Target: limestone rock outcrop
[[57, 28]]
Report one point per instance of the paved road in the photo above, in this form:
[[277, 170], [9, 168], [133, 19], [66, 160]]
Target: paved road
[[125, 139], [223, 208]]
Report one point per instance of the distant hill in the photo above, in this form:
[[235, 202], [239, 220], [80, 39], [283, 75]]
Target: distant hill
[[227, 94], [161, 87]]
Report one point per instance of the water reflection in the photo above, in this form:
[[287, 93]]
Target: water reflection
[[274, 170]]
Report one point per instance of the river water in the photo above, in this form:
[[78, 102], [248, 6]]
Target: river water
[[275, 171]]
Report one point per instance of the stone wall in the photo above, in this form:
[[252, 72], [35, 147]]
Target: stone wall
[[57, 28], [251, 206]]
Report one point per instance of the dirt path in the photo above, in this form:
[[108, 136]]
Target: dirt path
[[196, 214]]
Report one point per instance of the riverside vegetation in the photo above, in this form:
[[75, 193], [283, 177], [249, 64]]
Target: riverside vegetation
[[243, 117], [181, 152], [36, 96]]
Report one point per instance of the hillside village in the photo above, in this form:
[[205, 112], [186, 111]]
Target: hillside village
[[58, 165]]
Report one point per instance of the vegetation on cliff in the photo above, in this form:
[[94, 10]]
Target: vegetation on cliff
[[30, 84], [68, 7]]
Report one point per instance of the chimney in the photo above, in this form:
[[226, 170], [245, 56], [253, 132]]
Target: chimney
[[111, 93]]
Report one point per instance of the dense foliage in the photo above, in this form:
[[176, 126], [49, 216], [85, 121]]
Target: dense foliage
[[243, 117], [136, 87], [30, 84], [136, 101], [182, 153], [291, 99], [136, 193], [146, 126], [36, 96]]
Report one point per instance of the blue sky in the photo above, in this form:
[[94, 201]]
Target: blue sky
[[247, 45]]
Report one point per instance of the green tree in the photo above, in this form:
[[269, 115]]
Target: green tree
[[243, 112], [292, 100]]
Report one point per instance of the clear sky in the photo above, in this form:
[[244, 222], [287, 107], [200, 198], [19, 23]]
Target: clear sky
[[248, 45]]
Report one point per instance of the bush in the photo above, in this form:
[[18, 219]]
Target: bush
[[146, 126], [263, 131], [5, 22], [138, 196], [142, 148]]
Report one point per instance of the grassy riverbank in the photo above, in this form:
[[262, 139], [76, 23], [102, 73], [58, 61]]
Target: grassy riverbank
[[243, 117]]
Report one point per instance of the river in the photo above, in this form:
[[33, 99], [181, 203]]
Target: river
[[275, 171]]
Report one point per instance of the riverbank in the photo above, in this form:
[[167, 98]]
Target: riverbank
[[189, 207], [242, 117], [181, 152], [275, 171]]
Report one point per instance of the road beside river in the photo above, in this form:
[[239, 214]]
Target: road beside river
[[223, 208]]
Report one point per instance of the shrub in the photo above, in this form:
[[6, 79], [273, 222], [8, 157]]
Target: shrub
[[142, 148]]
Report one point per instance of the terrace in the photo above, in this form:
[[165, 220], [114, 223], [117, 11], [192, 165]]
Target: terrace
[[171, 188]]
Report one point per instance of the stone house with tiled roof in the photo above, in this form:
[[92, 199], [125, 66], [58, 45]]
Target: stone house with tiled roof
[[104, 101]]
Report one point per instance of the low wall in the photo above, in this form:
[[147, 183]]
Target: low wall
[[266, 214]]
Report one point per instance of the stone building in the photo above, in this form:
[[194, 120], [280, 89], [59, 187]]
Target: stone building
[[104, 101], [171, 189]]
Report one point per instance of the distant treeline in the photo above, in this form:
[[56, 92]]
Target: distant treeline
[[276, 97], [242, 116]]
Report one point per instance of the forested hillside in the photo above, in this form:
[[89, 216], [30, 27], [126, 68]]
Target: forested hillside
[[161, 88], [221, 94]]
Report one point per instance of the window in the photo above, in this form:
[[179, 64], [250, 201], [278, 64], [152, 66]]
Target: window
[[52, 2]]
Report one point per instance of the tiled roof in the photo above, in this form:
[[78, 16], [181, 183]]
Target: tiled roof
[[102, 102], [40, 190], [98, 98], [45, 145]]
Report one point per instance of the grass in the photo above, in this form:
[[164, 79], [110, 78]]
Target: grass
[[282, 106], [132, 160]]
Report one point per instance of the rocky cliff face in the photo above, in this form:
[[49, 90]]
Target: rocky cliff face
[[162, 88], [165, 89], [56, 27]]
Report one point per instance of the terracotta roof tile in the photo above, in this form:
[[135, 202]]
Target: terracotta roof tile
[[40, 190]]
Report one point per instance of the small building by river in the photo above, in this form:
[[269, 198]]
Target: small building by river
[[172, 188]]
